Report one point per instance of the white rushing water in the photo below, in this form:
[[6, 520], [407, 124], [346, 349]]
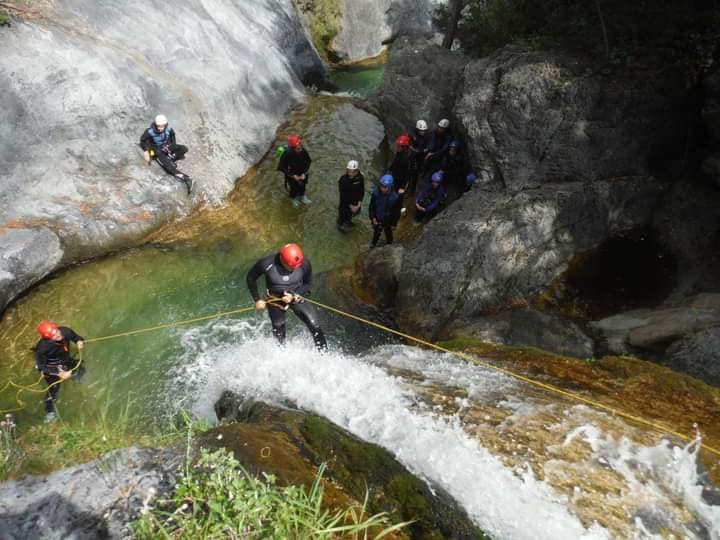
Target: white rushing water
[[359, 394]]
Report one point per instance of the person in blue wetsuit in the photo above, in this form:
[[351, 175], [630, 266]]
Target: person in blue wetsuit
[[288, 277], [158, 143], [384, 210], [428, 202]]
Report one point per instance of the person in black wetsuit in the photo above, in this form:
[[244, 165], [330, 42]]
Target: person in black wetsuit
[[158, 142], [295, 164], [288, 276], [53, 360], [351, 187]]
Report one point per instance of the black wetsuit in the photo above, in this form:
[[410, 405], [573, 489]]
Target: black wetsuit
[[50, 357], [385, 210], [279, 280], [420, 146], [295, 163], [352, 191], [166, 149]]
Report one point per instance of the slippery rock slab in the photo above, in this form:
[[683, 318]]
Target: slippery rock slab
[[421, 80], [94, 500], [489, 249], [533, 117], [528, 328], [655, 329], [80, 82], [26, 256]]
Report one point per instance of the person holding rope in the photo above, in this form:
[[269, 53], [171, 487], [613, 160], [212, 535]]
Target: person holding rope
[[53, 360], [288, 276]]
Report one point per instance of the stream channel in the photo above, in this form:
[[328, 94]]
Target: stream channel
[[522, 464]]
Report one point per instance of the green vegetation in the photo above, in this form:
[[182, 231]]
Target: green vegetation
[[325, 17], [4, 20], [217, 498], [608, 29]]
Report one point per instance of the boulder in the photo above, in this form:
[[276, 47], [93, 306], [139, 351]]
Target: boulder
[[95, 500], [291, 444], [378, 274], [653, 330], [421, 80], [527, 327], [697, 355], [533, 117], [489, 249], [83, 80]]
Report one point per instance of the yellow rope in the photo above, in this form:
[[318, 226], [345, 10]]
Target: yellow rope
[[517, 376]]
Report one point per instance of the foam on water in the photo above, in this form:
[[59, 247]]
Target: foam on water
[[360, 396]]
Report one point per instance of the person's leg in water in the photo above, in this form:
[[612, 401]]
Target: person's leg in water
[[52, 395], [388, 233], [277, 319], [344, 217], [295, 191], [307, 315]]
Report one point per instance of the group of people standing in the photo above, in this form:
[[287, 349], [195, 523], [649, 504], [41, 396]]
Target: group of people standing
[[436, 157]]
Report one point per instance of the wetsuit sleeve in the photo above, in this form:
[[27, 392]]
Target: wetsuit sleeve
[[252, 276], [421, 197], [439, 195], [171, 137], [371, 207], [308, 161], [70, 335], [146, 142], [304, 289], [395, 213]]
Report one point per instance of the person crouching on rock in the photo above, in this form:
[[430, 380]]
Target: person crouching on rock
[[351, 187], [288, 277], [428, 202], [53, 360], [384, 210], [158, 143]]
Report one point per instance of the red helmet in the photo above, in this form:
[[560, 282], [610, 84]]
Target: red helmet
[[47, 329], [292, 256], [294, 141], [403, 140]]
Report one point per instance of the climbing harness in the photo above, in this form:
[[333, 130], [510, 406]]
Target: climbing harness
[[277, 302]]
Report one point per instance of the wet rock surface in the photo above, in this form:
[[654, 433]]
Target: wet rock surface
[[698, 355], [82, 80], [292, 444], [95, 500]]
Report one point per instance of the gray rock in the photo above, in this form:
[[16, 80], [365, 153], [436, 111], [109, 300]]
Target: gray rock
[[697, 355], [528, 328], [490, 248], [26, 256], [654, 329], [94, 500], [379, 274], [421, 80], [72, 112], [533, 117]]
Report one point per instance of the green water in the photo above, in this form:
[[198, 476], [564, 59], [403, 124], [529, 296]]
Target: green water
[[190, 269], [358, 80]]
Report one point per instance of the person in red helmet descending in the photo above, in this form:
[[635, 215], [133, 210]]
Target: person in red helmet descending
[[295, 164], [288, 277], [53, 359]]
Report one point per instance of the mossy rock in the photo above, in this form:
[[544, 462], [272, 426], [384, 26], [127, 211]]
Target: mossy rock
[[324, 18], [292, 444]]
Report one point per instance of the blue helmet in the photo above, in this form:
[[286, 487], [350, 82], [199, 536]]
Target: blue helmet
[[454, 144], [387, 180], [470, 179], [437, 177]]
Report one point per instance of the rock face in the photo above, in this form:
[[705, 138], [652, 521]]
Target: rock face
[[421, 80], [528, 328], [81, 82], [533, 117], [352, 30], [697, 355], [94, 500], [489, 249]]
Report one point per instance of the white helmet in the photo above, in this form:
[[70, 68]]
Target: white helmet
[[444, 123], [421, 125], [161, 120], [352, 165]]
